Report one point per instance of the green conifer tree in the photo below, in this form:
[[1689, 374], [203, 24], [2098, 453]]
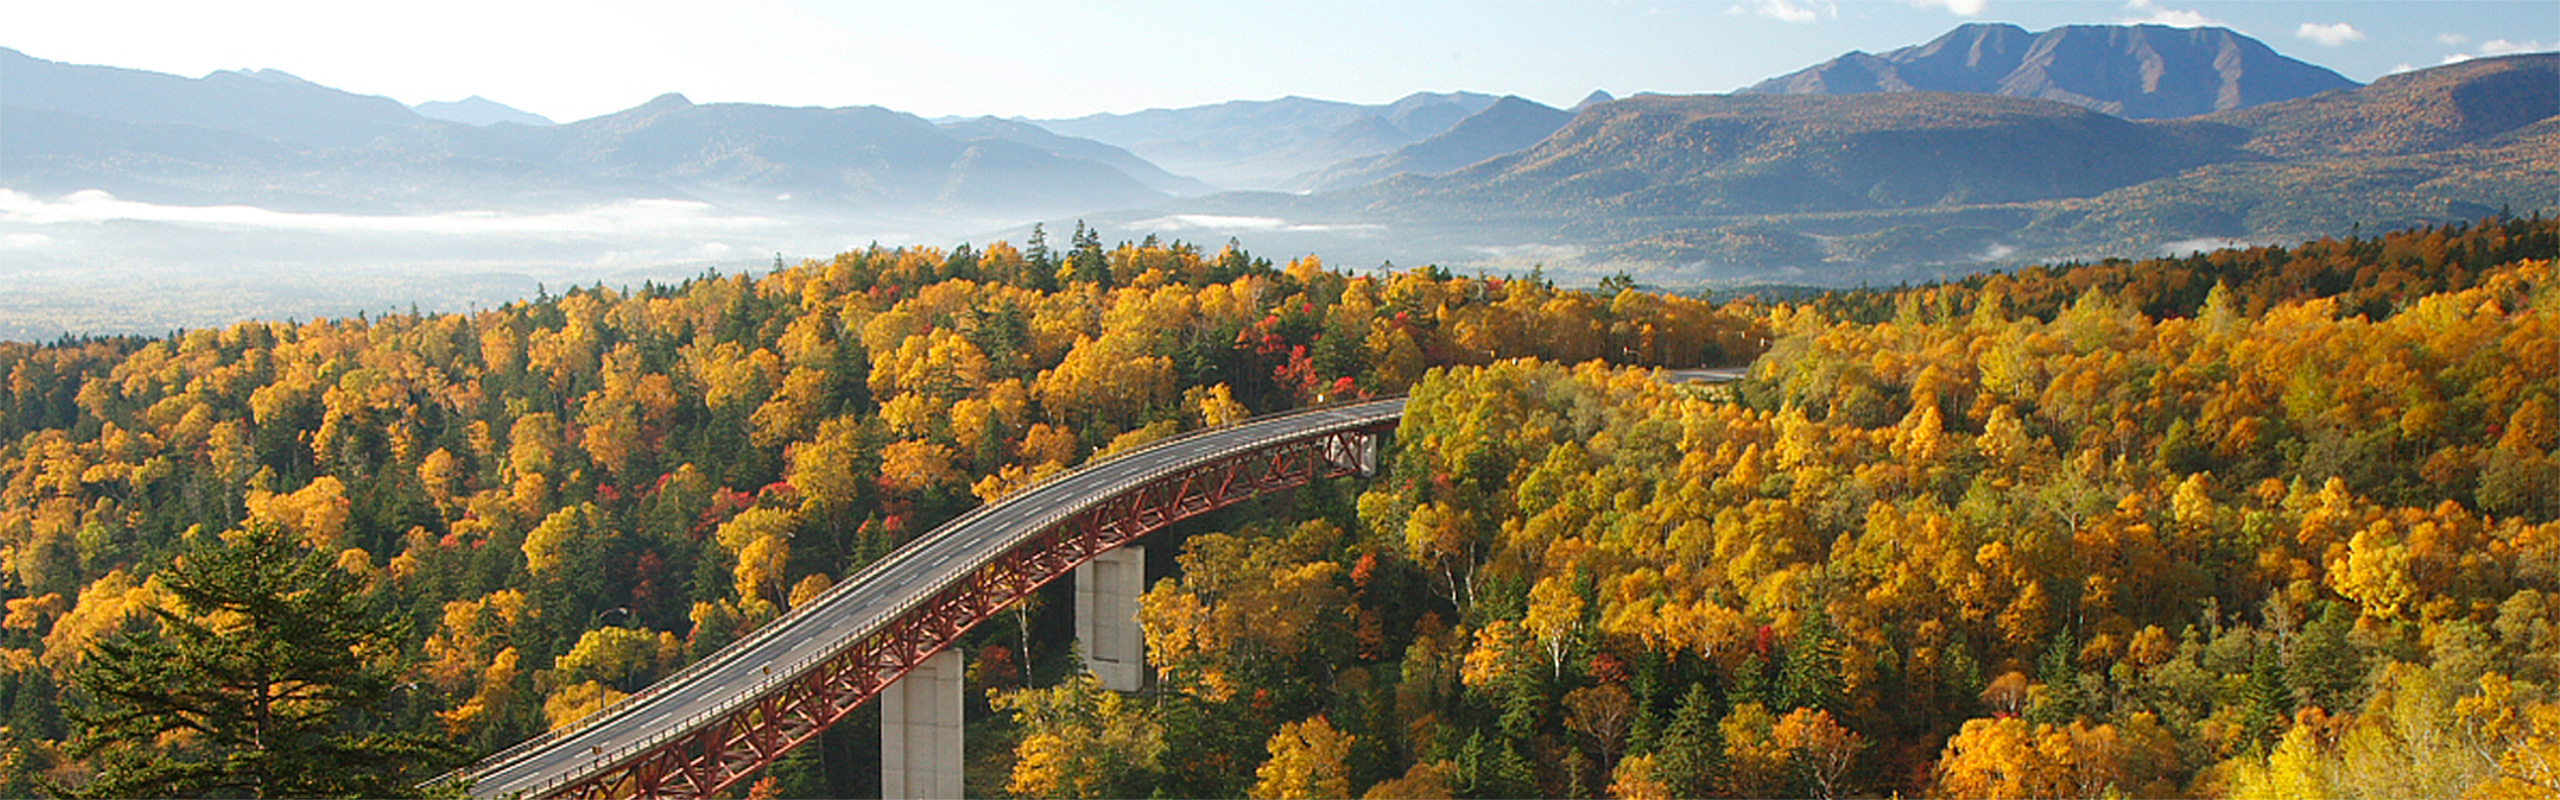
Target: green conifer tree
[[1810, 675], [264, 681], [1689, 757]]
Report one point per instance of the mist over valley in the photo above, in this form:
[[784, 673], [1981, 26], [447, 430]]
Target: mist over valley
[[133, 201]]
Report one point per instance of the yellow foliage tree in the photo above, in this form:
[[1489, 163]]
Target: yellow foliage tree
[[1425, 780], [316, 514], [1309, 759], [564, 530], [577, 701], [1079, 740], [105, 605], [1755, 764], [619, 656]]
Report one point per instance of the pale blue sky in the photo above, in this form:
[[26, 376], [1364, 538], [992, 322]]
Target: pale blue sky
[[575, 59]]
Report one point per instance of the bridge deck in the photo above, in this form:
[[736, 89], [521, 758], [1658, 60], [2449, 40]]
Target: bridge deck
[[755, 667]]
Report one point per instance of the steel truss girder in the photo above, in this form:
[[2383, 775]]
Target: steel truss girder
[[731, 748]]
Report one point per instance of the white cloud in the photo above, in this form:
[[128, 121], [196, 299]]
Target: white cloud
[[2400, 68], [2452, 38], [1790, 11], [626, 217], [1961, 8], [2147, 12], [2333, 35], [2497, 47], [17, 241]]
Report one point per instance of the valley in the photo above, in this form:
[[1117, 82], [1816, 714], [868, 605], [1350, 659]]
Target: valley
[[1948, 167]]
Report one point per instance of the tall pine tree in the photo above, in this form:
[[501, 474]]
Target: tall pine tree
[[264, 681]]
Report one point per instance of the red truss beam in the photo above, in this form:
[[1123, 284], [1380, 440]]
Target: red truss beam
[[728, 749]]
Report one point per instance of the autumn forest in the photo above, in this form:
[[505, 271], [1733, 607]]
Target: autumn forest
[[2259, 522]]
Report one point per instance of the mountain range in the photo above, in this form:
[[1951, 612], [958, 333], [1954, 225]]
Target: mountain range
[[273, 140], [1272, 144], [1904, 185], [1987, 146], [477, 110], [1508, 125], [2131, 71]]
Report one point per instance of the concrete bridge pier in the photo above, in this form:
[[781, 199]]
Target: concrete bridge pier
[[1107, 590], [920, 721]]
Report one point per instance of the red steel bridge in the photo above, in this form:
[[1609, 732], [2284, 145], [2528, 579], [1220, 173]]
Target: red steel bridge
[[715, 723]]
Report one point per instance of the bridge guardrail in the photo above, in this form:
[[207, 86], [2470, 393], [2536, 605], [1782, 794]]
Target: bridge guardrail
[[935, 583]]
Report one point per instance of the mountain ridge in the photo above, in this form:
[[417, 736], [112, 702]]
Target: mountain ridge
[[267, 104], [268, 137], [1510, 124], [479, 111], [1837, 187], [1267, 144], [2135, 71], [1910, 185]]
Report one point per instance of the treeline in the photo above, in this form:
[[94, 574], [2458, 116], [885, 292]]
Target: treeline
[[2184, 527], [2372, 277], [568, 497]]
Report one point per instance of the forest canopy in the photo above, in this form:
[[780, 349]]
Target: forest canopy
[[570, 496], [2256, 521]]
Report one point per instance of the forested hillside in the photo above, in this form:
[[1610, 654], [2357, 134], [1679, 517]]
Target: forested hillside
[[2259, 523], [565, 498], [2250, 523]]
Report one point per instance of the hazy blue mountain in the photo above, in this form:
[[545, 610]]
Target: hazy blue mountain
[[2409, 112], [1769, 186], [861, 157], [1263, 144], [1508, 125], [1144, 171], [2132, 71], [1422, 115], [1180, 138], [1913, 185], [1596, 97], [477, 110], [1656, 155], [51, 153], [263, 103], [269, 139]]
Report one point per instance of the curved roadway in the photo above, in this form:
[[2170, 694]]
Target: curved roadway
[[740, 673]]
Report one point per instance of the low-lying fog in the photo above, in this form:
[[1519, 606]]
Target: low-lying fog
[[91, 263]]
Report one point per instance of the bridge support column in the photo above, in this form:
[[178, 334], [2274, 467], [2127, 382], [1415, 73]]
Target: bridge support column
[[1107, 590], [920, 731]]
